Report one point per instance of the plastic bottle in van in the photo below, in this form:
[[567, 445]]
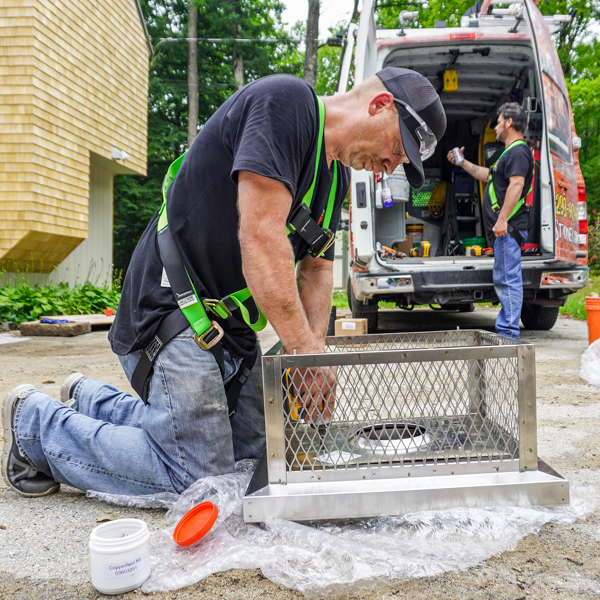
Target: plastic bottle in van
[[399, 185]]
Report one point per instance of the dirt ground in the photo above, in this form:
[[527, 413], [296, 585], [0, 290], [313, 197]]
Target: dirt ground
[[43, 557]]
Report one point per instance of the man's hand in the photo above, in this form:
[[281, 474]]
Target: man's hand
[[315, 389], [480, 173], [451, 158], [501, 227]]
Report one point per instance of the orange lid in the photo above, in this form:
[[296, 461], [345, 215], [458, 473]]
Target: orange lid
[[195, 524]]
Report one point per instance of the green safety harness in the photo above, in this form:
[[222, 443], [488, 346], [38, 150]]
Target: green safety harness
[[492, 191], [193, 310]]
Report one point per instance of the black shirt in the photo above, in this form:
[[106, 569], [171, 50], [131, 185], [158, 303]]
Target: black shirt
[[517, 161], [270, 127]]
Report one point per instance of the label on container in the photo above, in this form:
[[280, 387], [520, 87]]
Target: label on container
[[348, 325], [124, 568]]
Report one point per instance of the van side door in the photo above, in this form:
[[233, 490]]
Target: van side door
[[361, 187], [558, 150]]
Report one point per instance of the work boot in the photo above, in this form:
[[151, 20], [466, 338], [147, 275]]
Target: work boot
[[16, 469], [68, 387]]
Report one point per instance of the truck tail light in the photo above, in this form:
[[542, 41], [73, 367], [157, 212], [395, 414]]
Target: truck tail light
[[582, 197]]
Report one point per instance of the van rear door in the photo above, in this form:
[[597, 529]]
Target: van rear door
[[361, 192], [560, 180]]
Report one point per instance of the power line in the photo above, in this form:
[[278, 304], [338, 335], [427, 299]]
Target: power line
[[235, 40]]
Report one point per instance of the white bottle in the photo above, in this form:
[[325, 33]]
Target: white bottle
[[378, 202], [120, 555], [386, 193], [399, 185]]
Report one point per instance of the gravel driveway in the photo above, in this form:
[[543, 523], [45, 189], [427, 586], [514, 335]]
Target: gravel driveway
[[43, 542]]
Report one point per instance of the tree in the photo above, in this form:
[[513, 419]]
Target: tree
[[192, 72], [570, 38], [312, 42], [137, 198]]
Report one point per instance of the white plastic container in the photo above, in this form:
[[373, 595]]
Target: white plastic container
[[399, 185], [120, 555]]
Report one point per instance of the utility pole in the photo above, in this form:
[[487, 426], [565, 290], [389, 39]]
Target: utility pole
[[312, 42], [238, 57], [192, 72]]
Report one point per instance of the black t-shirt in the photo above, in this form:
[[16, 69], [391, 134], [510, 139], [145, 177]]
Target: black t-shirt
[[270, 127], [517, 161]]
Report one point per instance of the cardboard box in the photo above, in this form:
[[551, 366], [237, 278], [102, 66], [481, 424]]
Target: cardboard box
[[406, 246], [347, 326]]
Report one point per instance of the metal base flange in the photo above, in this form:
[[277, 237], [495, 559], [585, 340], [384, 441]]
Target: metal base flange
[[386, 497]]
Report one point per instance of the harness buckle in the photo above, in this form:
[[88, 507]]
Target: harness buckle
[[217, 307], [213, 335], [329, 241]]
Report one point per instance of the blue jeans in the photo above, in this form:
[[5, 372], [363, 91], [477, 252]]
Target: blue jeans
[[508, 283], [112, 442]]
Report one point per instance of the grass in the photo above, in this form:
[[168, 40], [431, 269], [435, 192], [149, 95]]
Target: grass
[[575, 305], [340, 300]]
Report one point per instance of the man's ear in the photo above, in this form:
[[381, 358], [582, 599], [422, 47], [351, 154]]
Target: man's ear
[[380, 102], [508, 122]]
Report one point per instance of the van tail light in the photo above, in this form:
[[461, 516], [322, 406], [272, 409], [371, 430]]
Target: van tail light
[[582, 197], [462, 36]]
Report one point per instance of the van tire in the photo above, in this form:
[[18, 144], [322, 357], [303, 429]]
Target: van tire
[[468, 307], [539, 318], [370, 314]]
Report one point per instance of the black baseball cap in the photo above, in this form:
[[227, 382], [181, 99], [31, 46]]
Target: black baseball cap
[[420, 132]]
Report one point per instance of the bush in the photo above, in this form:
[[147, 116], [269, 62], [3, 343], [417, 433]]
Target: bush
[[23, 301], [594, 242]]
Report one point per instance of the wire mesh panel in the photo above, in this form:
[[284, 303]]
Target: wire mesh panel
[[409, 404]]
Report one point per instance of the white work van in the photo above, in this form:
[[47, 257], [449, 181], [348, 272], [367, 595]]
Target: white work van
[[497, 55]]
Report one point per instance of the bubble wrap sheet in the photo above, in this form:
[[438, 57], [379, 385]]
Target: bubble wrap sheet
[[327, 558], [590, 364]]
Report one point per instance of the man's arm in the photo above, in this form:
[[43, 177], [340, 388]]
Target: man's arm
[[268, 267], [268, 260], [315, 285], [513, 195], [481, 173]]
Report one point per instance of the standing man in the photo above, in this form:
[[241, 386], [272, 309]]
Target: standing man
[[505, 216], [259, 191]]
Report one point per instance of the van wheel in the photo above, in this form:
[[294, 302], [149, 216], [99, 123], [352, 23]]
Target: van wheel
[[539, 318], [467, 307], [362, 311]]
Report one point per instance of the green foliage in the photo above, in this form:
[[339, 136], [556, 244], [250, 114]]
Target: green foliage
[[21, 301], [585, 100], [137, 198], [388, 12], [594, 242], [575, 305], [569, 39]]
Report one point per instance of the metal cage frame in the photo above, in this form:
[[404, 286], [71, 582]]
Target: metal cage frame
[[506, 471]]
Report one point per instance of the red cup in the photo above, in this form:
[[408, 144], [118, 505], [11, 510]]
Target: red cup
[[108, 312]]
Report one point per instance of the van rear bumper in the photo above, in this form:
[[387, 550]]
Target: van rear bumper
[[466, 283]]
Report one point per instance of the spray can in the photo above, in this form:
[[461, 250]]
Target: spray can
[[386, 194], [459, 159]]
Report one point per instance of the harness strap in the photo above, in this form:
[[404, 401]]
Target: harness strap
[[234, 386], [170, 326], [317, 236], [492, 191]]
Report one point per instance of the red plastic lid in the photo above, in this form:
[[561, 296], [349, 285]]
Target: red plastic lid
[[195, 524]]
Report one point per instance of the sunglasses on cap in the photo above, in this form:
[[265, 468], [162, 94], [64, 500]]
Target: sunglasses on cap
[[427, 139]]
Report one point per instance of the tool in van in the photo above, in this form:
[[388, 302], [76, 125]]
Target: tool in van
[[473, 251], [424, 248]]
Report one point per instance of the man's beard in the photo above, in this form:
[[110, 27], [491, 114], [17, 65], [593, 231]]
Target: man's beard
[[500, 137]]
